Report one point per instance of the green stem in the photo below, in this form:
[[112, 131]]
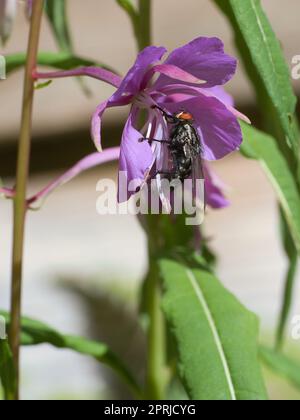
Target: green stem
[[156, 375], [21, 185], [156, 354], [145, 32]]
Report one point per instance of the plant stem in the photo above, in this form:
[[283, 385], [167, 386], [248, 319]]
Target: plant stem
[[156, 375], [145, 33], [21, 185], [156, 359]]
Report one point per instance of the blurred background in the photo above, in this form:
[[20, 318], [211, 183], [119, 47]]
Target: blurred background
[[82, 270]]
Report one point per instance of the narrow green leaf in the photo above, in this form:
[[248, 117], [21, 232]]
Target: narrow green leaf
[[43, 85], [216, 336], [144, 37], [263, 58], [7, 372], [61, 60], [282, 365], [133, 14], [261, 146], [57, 14], [35, 333], [129, 8], [292, 255]]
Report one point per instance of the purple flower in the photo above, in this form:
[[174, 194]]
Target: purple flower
[[190, 79], [214, 190]]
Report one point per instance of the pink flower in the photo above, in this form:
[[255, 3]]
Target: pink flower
[[189, 79]]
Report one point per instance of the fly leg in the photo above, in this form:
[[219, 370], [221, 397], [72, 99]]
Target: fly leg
[[170, 118], [141, 140]]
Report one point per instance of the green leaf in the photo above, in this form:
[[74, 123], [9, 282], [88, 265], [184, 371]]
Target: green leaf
[[292, 255], [175, 240], [56, 12], [216, 336], [43, 85], [61, 60], [263, 147], [7, 372], [133, 14], [35, 333], [282, 365], [263, 58], [129, 8]]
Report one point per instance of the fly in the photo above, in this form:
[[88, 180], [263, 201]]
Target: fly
[[185, 148]]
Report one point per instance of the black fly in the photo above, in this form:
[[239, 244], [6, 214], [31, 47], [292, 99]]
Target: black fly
[[185, 148]]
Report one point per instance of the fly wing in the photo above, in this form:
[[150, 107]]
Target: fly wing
[[196, 142], [198, 190], [198, 178], [198, 187]]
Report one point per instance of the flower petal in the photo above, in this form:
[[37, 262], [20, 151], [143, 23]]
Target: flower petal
[[192, 91], [218, 128], [94, 72], [136, 159], [219, 93], [205, 59], [90, 161], [97, 124], [214, 195], [176, 73], [180, 93], [133, 81]]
